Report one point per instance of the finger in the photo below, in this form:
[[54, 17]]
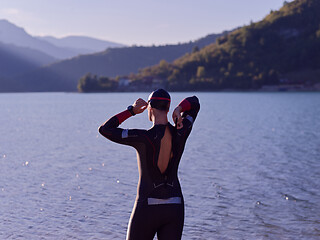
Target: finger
[[177, 115], [174, 116], [142, 102], [139, 103]]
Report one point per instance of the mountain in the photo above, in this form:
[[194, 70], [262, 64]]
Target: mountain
[[17, 60], [81, 44], [64, 75], [283, 48], [21, 53], [10, 85], [12, 34], [63, 48]]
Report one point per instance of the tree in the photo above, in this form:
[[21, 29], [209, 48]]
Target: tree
[[88, 83], [195, 49], [163, 64], [201, 72], [91, 83], [285, 41]]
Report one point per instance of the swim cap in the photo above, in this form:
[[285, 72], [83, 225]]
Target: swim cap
[[160, 99]]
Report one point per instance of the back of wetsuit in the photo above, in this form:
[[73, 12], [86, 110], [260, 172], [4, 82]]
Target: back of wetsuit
[[156, 190]]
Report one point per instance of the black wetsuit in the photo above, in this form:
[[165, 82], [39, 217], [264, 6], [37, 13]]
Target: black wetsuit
[[159, 206]]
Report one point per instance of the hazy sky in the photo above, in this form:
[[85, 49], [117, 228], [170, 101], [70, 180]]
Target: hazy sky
[[140, 22]]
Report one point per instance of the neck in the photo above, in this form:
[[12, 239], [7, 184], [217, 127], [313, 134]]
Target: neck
[[161, 119]]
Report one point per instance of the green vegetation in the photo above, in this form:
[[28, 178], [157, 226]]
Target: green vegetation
[[262, 53], [91, 83]]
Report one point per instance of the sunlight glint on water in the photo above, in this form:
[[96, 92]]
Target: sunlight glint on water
[[250, 168]]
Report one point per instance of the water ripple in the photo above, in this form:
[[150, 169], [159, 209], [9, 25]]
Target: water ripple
[[250, 168]]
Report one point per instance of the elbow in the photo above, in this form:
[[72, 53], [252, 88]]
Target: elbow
[[104, 131], [195, 99], [196, 103], [101, 128]]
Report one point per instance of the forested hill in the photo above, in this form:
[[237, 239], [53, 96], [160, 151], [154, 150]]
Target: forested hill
[[64, 75], [16, 60], [284, 45]]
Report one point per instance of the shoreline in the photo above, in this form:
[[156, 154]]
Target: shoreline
[[182, 91]]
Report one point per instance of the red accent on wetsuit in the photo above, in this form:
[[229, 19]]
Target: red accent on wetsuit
[[165, 219], [185, 105], [123, 116]]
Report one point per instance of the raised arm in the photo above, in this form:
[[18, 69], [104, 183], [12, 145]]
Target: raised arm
[[187, 109], [110, 129]]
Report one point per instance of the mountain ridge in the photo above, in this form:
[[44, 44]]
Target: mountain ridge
[[63, 48], [82, 44], [12, 34], [269, 52], [15, 60], [111, 62]]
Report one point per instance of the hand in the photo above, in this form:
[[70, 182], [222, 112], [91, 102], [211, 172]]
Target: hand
[[139, 106], [176, 116]]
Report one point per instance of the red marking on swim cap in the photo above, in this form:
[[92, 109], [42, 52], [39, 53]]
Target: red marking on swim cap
[[160, 98]]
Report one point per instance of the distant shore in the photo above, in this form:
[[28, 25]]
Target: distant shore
[[269, 88]]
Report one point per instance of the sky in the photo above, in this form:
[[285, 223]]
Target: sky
[[134, 22]]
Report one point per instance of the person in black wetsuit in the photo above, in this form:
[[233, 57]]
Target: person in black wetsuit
[[159, 205]]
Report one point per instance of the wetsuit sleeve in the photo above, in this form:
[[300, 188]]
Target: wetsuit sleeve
[[110, 129], [190, 107]]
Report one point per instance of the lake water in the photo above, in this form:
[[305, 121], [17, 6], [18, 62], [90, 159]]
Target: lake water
[[251, 168]]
